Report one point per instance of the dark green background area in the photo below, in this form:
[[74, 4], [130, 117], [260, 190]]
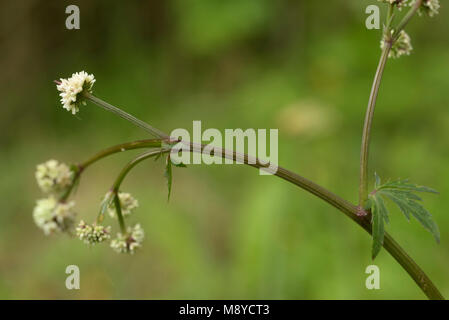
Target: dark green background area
[[304, 67]]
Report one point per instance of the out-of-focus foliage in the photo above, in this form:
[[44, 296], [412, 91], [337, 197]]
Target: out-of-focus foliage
[[300, 66]]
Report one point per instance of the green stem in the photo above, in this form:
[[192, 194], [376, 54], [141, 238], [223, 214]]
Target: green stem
[[139, 144], [406, 19], [150, 143], [355, 213], [364, 153], [109, 107], [132, 164], [118, 209], [389, 41], [350, 210]]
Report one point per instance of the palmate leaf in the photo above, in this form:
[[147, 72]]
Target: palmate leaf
[[400, 192]]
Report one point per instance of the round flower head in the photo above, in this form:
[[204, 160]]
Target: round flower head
[[53, 216], [92, 234], [400, 47], [129, 242], [72, 89], [128, 204], [429, 7], [53, 177]]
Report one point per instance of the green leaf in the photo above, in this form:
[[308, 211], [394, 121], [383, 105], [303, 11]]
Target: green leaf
[[401, 193], [379, 213], [406, 185], [168, 175], [409, 206]]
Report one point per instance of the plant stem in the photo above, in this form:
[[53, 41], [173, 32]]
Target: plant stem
[[139, 144], [364, 153], [389, 41], [132, 164], [406, 19], [350, 210], [118, 209], [145, 126]]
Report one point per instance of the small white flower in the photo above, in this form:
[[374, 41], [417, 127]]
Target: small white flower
[[429, 7], [53, 216], [129, 242], [53, 176], [400, 47], [93, 234], [128, 204], [72, 88]]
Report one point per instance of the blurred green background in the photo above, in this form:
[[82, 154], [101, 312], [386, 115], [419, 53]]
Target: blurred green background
[[301, 66]]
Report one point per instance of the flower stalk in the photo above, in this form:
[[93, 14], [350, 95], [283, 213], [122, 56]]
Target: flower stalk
[[389, 40]]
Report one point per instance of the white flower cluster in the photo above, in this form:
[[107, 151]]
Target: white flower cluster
[[429, 7], [402, 46], [93, 234], [128, 204], [53, 216], [129, 242], [72, 88], [399, 3], [53, 176]]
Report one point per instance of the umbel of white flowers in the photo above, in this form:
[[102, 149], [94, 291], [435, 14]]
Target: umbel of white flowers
[[93, 234], [402, 46], [53, 216], [53, 176], [429, 7], [127, 204], [129, 242], [72, 89], [398, 3]]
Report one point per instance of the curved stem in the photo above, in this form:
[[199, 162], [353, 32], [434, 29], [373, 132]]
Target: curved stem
[[364, 153], [349, 209], [357, 214], [389, 41], [139, 144], [150, 143], [132, 164]]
